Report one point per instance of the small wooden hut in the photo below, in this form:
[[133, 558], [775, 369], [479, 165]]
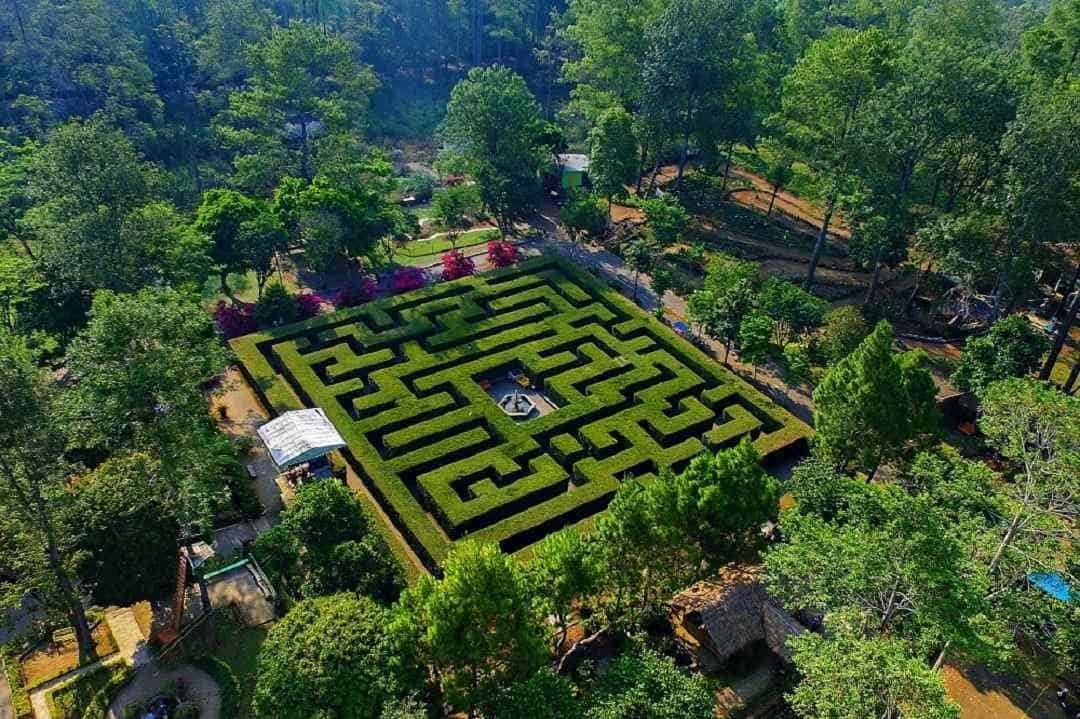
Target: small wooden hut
[[730, 612]]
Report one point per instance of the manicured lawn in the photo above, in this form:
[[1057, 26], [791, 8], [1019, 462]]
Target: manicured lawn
[[424, 252], [405, 380]]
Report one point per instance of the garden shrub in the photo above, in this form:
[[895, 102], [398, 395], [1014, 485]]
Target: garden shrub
[[501, 253], [276, 307], [406, 279], [309, 304], [223, 676], [357, 292], [235, 320], [456, 265], [584, 214]]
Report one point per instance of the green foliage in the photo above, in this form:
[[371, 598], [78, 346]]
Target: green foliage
[[544, 694], [793, 309], [85, 185], [584, 214], [666, 219], [726, 297], [848, 676], [304, 103], [476, 626], [494, 122], [844, 328], [643, 684], [141, 363], [334, 656], [325, 545], [125, 530], [797, 369], [719, 502], [872, 403], [1012, 348], [561, 571], [755, 337], [612, 153], [89, 696], [223, 676], [455, 208], [276, 306]]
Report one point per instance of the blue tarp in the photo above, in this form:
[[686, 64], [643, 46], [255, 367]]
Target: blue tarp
[[681, 327], [1053, 584]]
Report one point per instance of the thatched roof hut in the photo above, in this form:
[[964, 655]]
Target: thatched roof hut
[[730, 612]]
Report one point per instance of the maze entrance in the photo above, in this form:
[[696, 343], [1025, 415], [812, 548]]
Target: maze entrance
[[408, 383]]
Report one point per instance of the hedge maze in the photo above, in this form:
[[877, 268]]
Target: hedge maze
[[403, 379]]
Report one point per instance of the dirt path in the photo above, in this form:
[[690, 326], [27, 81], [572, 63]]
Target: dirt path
[[791, 205], [244, 414], [982, 694]]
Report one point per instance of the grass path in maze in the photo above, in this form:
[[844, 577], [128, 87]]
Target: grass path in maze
[[400, 379]]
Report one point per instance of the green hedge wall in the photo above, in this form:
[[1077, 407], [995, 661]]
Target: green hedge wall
[[401, 377]]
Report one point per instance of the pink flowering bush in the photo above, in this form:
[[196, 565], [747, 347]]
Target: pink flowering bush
[[235, 320], [408, 278], [357, 292], [309, 304], [455, 265], [501, 253]]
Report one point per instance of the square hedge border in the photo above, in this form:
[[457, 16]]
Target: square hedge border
[[398, 378]]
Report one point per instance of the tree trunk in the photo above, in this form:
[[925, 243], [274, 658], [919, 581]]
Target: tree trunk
[[819, 244], [872, 289], [684, 156], [641, 167], [26, 246], [304, 151], [914, 290], [772, 199], [1071, 381], [32, 502], [19, 18], [727, 167], [1059, 339]]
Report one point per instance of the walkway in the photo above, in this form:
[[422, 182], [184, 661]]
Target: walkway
[[131, 649]]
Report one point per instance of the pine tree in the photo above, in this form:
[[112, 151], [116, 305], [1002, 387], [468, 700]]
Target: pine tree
[[870, 404]]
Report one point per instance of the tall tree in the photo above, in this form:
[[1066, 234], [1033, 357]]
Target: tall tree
[[333, 656], [85, 183], [725, 298], [476, 627], [689, 70], [824, 102], [306, 92], [126, 532], [850, 676], [494, 123], [33, 496], [1012, 348], [612, 153], [869, 405]]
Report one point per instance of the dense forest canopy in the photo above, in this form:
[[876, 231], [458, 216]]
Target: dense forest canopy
[[171, 170]]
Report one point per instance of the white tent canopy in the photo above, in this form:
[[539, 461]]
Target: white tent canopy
[[300, 436]]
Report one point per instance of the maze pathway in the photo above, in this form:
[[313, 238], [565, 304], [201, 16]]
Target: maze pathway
[[403, 379]]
